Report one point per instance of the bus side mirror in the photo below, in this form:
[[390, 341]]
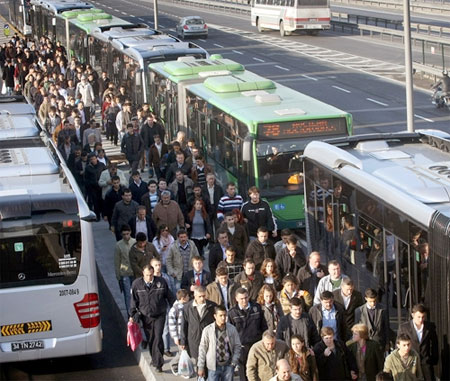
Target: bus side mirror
[[247, 148]]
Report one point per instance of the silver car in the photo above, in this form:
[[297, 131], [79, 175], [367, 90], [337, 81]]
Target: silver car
[[192, 26]]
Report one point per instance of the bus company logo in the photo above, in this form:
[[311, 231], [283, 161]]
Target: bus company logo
[[25, 328], [21, 276]]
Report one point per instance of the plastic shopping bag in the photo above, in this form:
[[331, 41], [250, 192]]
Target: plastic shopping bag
[[185, 366], [134, 335]]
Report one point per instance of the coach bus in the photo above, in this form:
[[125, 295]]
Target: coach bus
[[288, 16], [380, 204], [168, 81], [19, 15], [48, 284], [254, 131]]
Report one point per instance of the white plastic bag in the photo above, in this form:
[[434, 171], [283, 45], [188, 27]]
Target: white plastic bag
[[185, 365]]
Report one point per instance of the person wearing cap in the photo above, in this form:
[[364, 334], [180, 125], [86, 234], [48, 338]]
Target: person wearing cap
[[87, 95]]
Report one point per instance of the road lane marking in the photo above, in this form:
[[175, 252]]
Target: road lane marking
[[140, 18], [258, 59], [237, 52], [377, 102], [201, 40], [282, 68], [423, 118], [341, 89], [124, 13], [308, 77], [218, 45]]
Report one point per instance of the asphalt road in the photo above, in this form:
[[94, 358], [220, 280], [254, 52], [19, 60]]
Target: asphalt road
[[115, 362]]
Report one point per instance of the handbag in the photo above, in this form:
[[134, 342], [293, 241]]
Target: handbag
[[134, 335]]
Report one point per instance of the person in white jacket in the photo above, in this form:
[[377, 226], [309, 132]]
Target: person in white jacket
[[87, 96]]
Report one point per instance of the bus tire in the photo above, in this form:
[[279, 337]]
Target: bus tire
[[282, 31], [313, 32], [258, 25]]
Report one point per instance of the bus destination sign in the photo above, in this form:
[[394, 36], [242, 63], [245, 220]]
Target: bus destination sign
[[302, 129]]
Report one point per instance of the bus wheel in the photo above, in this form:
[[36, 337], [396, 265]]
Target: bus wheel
[[282, 31], [258, 25], [313, 32]]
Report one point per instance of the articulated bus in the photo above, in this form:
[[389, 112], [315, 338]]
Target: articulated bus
[[48, 282], [19, 15], [168, 85], [288, 16], [254, 130], [380, 204]]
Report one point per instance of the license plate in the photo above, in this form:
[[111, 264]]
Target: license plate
[[27, 345]]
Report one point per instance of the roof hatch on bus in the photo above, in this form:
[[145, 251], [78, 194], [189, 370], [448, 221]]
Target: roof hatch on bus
[[26, 162], [232, 84], [76, 12], [14, 127], [90, 17], [202, 67]]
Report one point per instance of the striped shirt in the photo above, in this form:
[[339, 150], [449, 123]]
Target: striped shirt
[[227, 204]]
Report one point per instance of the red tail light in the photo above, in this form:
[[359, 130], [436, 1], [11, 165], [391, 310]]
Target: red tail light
[[205, 26], [88, 311], [185, 27]]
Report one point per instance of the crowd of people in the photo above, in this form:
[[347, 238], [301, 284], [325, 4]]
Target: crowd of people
[[260, 308]]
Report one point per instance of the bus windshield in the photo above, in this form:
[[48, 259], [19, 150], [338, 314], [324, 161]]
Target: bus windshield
[[45, 249], [279, 166]]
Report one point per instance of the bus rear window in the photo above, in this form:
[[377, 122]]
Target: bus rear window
[[37, 254]]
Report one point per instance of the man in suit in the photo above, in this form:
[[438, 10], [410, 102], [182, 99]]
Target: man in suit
[[310, 274], [217, 252], [349, 299], [212, 193], [329, 314], [142, 223], [423, 340], [197, 314], [374, 316], [220, 291], [197, 276]]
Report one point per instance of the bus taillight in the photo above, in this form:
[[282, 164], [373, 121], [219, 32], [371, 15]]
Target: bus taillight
[[88, 311]]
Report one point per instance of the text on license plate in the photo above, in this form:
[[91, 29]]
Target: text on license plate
[[27, 345]]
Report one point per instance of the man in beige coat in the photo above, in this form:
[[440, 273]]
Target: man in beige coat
[[263, 357]]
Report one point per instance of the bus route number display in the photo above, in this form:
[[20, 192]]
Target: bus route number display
[[302, 128]]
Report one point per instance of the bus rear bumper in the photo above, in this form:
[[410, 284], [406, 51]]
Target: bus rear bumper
[[54, 347]]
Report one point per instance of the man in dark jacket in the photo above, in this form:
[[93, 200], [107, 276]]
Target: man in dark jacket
[[141, 253], [138, 187], [328, 314], [260, 248], [156, 151], [113, 196], [180, 164], [310, 274], [218, 250], [424, 340], [198, 276], [197, 314], [123, 212], [349, 300], [250, 279], [257, 213], [248, 318], [132, 147], [150, 296], [93, 190], [297, 322], [142, 222], [211, 194], [291, 258]]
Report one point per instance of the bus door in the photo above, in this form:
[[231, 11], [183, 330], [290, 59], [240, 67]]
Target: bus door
[[199, 130]]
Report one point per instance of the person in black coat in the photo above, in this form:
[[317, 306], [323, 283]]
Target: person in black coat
[[260, 248], [327, 305], [212, 203], [217, 251], [334, 359], [291, 258], [150, 227], [427, 345], [374, 316], [180, 164], [192, 323], [8, 77], [113, 196], [137, 186], [198, 276], [310, 275], [132, 147], [349, 300], [93, 190]]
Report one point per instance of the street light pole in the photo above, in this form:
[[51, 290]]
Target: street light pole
[[408, 67], [155, 13]]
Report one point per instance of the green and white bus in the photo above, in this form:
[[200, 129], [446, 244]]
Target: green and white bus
[[252, 129]]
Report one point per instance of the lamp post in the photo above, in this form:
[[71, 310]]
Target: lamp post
[[155, 13], [408, 67]]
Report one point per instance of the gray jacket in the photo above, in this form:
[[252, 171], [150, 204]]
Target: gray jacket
[[207, 351], [123, 213]]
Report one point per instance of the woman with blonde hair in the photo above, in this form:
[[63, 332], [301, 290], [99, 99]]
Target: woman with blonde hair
[[267, 299], [368, 354], [271, 275], [302, 359]]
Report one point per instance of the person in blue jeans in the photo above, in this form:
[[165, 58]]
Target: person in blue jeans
[[220, 348]]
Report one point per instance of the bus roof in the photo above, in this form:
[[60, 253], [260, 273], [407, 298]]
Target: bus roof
[[107, 33], [415, 164], [145, 41], [89, 21], [253, 99], [59, 6], [187, 69]]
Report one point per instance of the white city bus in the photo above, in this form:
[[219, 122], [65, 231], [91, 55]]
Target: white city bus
[[288, 16], [48, 284]]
